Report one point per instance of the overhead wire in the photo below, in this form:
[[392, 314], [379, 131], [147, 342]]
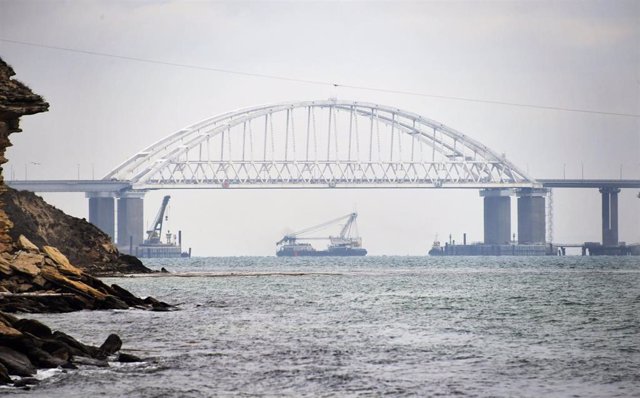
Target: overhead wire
[[318, 82]]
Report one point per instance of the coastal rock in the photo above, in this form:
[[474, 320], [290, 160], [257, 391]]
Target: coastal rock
[[128, 358], [83, 244], [34, 328], [101, 363], [46, 262], [46, 256], [25, 244], [4, 375], [28, 263], [21, 354], [111, 345], [61, 261], [16, 362]]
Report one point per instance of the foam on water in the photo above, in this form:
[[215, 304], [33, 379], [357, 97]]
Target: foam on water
[[371, 326]]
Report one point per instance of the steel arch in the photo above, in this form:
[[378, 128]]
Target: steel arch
[[184, 159]]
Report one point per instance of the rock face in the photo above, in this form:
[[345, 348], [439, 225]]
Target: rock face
[[36, 279], [37, 276], [35, 273], [24, 213], [16, 100], [85, 245]]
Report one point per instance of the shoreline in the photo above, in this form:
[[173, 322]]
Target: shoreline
[[221, 274]]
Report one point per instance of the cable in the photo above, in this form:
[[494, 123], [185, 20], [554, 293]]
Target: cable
[[318, 82]]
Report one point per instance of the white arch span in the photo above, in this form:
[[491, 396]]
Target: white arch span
[[329, 143]]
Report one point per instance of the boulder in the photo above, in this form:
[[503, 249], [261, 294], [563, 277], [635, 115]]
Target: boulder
[[28, 263], [16, 362], [5, 267], [76, 348], [7, 331], [110, 346], [25, 382], [61, 260], [33, 327], [25, 244], [4, 375], [127, 358], [42, 359]]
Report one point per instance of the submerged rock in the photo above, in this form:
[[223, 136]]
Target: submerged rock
[[110, 346]]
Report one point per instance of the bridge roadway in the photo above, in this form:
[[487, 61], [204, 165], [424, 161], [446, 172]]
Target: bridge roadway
[[103, 194], [116, 186]]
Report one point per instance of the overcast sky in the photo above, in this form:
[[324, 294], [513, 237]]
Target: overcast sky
[[578, 55]]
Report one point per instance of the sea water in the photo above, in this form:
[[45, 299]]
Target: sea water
[[371, 326]]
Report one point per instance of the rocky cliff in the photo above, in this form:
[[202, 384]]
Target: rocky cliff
[[37, 276], [44, 253], [24, 213], [85, 245]]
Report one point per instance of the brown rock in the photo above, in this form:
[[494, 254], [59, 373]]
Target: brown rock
[[61, 261], [28, 263], [5, 267], [77, 287], [25, 244], [8, 331]]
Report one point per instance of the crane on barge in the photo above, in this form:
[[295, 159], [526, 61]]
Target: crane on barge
[[347, 243], [153, 246]]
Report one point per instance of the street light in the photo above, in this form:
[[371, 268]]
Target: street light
[[26, 170]]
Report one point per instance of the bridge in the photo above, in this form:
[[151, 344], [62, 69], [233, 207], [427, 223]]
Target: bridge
[[326, 144]]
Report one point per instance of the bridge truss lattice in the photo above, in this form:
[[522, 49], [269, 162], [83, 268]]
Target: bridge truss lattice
[[316, 144]]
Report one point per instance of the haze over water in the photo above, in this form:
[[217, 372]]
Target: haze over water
[[405, 326]]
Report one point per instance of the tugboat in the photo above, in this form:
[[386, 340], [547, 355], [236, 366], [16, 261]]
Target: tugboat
[[342, 245]]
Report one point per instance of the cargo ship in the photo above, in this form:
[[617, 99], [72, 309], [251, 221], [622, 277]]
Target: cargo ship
[[343, 245]]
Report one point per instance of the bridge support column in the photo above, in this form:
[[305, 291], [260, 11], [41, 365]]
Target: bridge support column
[[531, 215], [609, 216], [130, 220], [102, 212], [497, 216]]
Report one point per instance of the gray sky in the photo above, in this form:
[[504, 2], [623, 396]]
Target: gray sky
[[583, 55]]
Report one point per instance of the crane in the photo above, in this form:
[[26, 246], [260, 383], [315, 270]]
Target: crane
[[154, 234], [344, 238]]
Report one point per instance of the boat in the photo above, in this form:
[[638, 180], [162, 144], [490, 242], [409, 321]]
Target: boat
[[154, 247], [436, 249], [343, 245]]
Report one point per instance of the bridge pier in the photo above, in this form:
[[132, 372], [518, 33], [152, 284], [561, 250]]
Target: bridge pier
[[531, 215], [497, 216], [102, 212], [609, 216], [130, 219]]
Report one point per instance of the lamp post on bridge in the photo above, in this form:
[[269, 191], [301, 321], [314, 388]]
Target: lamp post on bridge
[[26, 170]]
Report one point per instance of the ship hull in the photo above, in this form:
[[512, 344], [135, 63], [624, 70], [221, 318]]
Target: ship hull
[[337, 252], [159, 251]]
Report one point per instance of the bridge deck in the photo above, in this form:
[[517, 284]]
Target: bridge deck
[[115, 186]]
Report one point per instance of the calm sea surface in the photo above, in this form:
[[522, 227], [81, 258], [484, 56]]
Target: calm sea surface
[[398, 326]]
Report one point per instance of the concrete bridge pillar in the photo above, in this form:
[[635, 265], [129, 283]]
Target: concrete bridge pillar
[[609, 216], [102, 212], [497, 216], [531, 215], [130, 219]]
